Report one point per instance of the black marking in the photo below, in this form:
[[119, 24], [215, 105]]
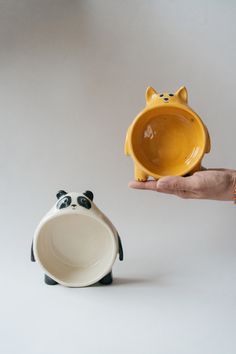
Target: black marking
[[32, 253], [64, 202], [121, 252], [84, 202], [107, 280], [60, 194], [49, 281], [89, 195]]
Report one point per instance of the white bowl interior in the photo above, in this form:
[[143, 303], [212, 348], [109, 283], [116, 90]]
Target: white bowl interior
[[75, 249]]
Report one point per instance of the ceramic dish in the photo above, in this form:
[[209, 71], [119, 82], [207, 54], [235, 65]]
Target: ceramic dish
[[167, 138], [75, 243]]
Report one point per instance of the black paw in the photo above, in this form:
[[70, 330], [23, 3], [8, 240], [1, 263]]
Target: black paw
[[49, 281], [107, 279]]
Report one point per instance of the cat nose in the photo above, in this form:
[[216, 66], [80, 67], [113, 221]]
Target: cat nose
[[73, 205]]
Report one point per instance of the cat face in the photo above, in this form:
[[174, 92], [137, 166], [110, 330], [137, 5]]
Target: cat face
[[155, 98]]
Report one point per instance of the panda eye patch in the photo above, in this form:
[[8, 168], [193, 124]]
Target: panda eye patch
[[64, 202], [84, 202]]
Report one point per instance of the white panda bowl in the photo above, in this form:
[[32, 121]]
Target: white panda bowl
[[75, 243]]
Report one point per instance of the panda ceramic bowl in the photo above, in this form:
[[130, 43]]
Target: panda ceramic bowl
[[75, 243]]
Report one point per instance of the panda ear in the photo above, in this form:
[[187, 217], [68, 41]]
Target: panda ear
[[60, 193], [89, 195]]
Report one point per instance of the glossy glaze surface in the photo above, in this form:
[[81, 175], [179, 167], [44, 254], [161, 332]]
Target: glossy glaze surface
[[168, 144], [75, 243], [167, 138], [75, 249]]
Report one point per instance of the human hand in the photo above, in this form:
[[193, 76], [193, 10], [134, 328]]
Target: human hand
[[214, 184]]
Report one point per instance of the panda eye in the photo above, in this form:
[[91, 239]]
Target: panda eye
[[84, 202], [64, 202]]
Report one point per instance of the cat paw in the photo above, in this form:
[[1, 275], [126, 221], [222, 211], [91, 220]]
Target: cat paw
[[141, 179]]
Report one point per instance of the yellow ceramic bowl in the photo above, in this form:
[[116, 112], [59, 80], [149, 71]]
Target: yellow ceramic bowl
[[167, 138]]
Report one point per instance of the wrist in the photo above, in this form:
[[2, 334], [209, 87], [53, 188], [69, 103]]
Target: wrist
[[230, 185], [234, 187]]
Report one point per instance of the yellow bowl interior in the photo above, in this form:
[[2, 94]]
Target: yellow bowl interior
[[168, 141]]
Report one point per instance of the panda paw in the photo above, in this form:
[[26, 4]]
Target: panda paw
[[107, 280], [49, 281]]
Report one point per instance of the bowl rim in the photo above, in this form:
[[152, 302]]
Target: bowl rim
[[146, 112], [55, 215]]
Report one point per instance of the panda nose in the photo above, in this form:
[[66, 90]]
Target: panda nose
[[73, 205]]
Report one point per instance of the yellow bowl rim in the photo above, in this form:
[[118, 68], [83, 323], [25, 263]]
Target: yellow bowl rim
[[183, 109]]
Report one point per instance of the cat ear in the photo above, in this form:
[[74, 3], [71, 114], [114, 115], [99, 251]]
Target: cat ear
[[182, 93], [150, 93]]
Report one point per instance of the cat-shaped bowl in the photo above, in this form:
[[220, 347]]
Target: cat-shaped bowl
[[167, 138], [75, 243]]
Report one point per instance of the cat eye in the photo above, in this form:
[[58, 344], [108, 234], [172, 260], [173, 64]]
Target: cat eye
[[64, 202], [171, 94], [84, 202], [161, 95]]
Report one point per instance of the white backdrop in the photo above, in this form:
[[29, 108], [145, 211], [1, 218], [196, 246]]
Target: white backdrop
[[72, 77]]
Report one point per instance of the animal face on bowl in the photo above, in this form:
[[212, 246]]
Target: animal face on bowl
[[75, 243], [74, 201], [167, 138]]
